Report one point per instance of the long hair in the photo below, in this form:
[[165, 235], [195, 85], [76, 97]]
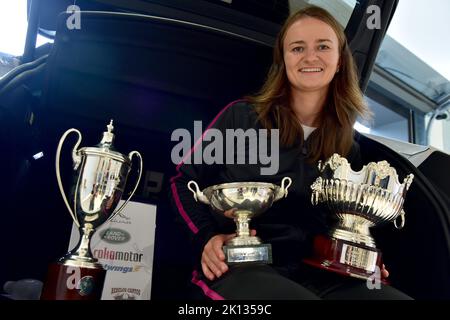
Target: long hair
[[343, 104]]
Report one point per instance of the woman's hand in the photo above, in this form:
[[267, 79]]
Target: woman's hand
[[384, 272], [230, 213], [213, 258]]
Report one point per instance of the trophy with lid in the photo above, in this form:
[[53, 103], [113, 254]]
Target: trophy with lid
[[101, 178]]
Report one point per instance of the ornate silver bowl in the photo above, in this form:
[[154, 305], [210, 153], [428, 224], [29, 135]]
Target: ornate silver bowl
[[359, 201]]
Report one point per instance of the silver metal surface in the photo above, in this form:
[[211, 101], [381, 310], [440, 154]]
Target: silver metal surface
[[102, 176], [254, 253], [360, 199], [248, 199]]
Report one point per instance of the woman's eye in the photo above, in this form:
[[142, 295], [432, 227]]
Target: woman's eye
[[323, 47], [298, 49]]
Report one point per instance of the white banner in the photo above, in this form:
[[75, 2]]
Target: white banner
[[124, 246]]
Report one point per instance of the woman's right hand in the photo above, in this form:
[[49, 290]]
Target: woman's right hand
[[213, 258]]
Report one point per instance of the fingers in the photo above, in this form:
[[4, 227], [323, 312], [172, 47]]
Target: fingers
[[218, 252], [213, 258], [384, 272], [212, 266], [227, 237], [206, 271], [230, 213]]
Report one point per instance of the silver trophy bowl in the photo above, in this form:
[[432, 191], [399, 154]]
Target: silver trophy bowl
[[360, 200], [248, 200]]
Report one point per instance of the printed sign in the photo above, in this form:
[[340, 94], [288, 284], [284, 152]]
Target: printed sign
[[124, 246]]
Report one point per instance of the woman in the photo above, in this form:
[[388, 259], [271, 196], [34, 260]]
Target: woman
[[312, 97]]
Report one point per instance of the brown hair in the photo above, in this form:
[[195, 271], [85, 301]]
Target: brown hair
[[343, 104]]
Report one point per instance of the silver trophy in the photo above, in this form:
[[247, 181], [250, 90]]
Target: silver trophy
[[248, 199], [101, 179], [359, 200]]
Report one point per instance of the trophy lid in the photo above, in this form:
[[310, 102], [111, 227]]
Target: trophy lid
[[105, 148], [108, 136]]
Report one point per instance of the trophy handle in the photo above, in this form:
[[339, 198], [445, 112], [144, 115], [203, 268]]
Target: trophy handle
[[76, 162], [316, 191], [320, 165], [283, 191], [132, 153], [198, 195], [402, 221], [408, 180]]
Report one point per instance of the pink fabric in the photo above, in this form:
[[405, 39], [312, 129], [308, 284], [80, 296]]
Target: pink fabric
[[206, 290], [178, 203]]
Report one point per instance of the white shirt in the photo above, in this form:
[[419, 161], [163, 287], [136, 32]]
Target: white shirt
[[307, 131]]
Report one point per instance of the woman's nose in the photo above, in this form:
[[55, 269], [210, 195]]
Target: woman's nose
[[310, 55]]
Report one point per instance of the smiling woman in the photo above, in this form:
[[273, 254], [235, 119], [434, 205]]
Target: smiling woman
[[311, 57], [312, 82], [314, 106]]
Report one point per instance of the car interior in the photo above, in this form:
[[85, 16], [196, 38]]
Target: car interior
[[153, 67]]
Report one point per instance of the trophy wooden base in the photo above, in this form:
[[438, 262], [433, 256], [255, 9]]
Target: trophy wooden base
[[346, 258], [65, 282]]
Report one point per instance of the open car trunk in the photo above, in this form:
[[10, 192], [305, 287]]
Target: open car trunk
[[153, 75]]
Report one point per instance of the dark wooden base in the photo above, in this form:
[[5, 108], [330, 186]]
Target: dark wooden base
[[336, 255], [73, 283]]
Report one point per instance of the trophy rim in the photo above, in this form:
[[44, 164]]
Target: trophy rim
[[382, 169], [236, 185], [344, 206], [110, 154], [366, 185]]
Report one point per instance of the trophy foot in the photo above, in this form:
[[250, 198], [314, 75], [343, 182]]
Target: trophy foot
[[347, 259], [67, 282], [261, 253], [243, 241], [80, 262]]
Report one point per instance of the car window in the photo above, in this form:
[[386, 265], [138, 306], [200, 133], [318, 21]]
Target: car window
[[13, 31], [414, 56]]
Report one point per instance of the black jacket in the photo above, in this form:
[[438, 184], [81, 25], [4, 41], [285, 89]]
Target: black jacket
[[289, 225]]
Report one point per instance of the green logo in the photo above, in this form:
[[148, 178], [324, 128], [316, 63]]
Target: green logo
[[86, 285], [114, 235]]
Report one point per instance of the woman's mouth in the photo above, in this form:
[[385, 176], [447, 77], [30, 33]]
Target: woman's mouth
[[310, 70]]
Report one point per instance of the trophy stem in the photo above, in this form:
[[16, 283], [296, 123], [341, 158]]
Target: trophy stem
[[245, 247], [353, 228], [81, 255], [242, 223], [84, 249], [243, 238]]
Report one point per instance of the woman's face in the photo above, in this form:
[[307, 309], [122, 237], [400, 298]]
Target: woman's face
[[311, 55]]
